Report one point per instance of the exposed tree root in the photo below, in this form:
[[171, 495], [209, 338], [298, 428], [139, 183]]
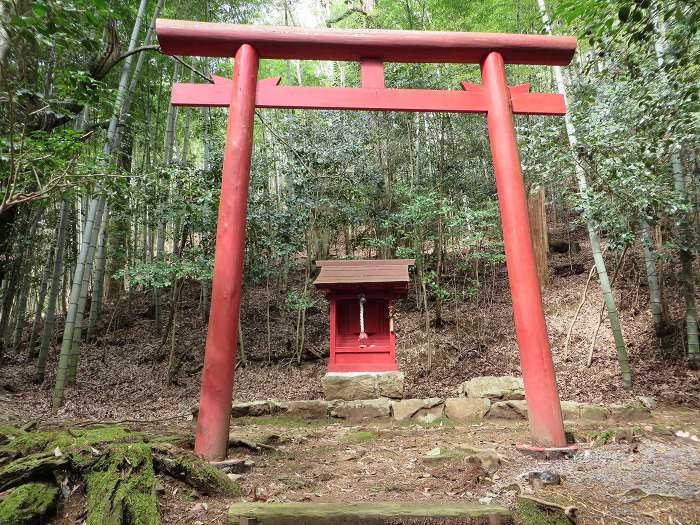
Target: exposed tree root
[[117, 466]]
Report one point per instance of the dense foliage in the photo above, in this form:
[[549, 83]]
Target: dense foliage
[[324, 183]]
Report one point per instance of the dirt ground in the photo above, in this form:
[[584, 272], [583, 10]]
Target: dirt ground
[[638, 473], [123, 374]]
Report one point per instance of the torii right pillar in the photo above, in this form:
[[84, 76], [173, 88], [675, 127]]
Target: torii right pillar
[[544, 410]]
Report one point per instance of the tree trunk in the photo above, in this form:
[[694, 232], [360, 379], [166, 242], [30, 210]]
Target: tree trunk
[[169, 141], [98, 282], [655, 298], [47, 333], [592, 234], [40, 300], [686, 235], [82, 299]]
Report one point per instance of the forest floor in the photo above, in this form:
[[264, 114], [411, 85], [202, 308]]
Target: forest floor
[[123, 373], [123, 378], [640, 473]]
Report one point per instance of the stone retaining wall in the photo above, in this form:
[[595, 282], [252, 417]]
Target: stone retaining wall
[[459, 409]]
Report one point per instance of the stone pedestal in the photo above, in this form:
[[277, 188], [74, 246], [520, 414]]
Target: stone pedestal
[[353, 386]]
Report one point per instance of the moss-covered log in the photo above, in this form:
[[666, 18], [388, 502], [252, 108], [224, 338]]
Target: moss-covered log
[[121, 487], [28, 504], [30, 468], [185, 466]]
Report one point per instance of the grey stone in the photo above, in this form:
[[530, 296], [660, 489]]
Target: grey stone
[[364, 409], [311, 409], [648, 401], [629, 412], [570, 410], [356, 386], [504, 388], [349, 387], [417, 409], [390, 384], [464, 409], [508, 410], [256, 408], [592, 412]]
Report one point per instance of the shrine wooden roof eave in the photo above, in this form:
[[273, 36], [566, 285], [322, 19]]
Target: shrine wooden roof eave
[[190, 38], [369, 274]]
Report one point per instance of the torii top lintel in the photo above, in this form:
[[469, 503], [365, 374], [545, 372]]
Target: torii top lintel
[[180, 37]]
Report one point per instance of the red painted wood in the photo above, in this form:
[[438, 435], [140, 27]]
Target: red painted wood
[[372, 73], [544, 411], [179, 37], [270, 95], [211, 439], [346, 355]]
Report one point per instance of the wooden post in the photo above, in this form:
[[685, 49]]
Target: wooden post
[[538, 231]]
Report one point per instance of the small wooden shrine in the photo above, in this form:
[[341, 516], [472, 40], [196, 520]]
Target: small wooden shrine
[[361, 293]]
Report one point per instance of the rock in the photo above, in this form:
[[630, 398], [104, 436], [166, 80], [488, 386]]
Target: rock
[[390, 385], [465, 409], [545, 477], [235, 466], [356, 386], [648, 401], [592, 412], [488, 459], [421, 409], [349, 386], [508, 410], [570, 410], [366, 409], [494, 387], [629, 412], [311, 409], [256, 409]]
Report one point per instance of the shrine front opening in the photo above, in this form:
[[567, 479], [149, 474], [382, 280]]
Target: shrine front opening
[[371, 48]]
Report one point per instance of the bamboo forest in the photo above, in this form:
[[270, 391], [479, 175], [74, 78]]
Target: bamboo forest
[[300, 262]]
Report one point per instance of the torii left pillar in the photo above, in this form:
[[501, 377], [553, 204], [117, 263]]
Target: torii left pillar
[[220, 354]]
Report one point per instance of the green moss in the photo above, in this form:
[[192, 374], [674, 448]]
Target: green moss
[[21, 443], [529, 513], [360, 436], [28, 504], [121, 487]]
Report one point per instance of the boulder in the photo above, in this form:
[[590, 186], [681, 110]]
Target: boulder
[[311, 409], [465, 409], [421, 409], [504, 388], [390, 384], [364, 409], [570, 410], [508, 410], [256, 408], [355, 386], [629, 412], [591, 412], [349, 386]]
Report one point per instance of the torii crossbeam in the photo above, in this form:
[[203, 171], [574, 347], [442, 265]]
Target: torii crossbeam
[[371, 48]]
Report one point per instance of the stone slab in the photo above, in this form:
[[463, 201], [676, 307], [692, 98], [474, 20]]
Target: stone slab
[[421, 409], [256, 408], [465, 409], [504, 388], [307, 409], [362, 409], [355, 386], [372, 513], [508, 410]]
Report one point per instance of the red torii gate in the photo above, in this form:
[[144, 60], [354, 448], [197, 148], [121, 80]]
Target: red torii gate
[[371, 48]]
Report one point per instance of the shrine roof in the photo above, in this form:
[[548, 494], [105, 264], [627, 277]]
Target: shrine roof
[[361, 271]]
